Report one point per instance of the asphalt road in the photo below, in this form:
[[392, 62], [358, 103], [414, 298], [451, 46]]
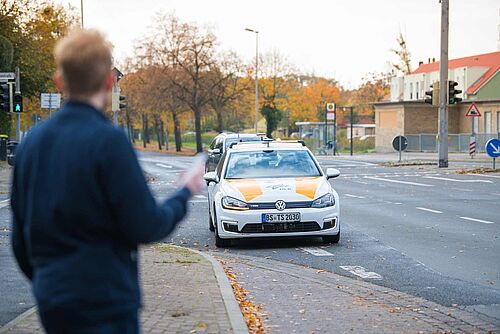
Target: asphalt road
[[427, 232]]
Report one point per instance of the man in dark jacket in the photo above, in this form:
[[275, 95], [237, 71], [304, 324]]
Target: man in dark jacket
[[81, 205]]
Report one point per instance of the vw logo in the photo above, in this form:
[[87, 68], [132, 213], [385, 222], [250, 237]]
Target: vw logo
[[280, 205]]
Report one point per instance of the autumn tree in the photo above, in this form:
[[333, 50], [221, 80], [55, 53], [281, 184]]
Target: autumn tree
[[188, 52], [403, 64], [225, 80]]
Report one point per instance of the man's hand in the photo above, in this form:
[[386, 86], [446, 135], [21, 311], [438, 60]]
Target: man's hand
[[193, 179]]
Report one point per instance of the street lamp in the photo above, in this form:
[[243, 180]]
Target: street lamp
[[256, 78]]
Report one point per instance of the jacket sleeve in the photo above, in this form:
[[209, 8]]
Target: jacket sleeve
[[133, 208], [18, 242]]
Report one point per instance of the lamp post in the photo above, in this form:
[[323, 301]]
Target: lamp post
[[81, 12], [256, 78]]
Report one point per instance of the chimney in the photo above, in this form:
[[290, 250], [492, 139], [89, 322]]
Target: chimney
[[428, 60], [433, 60], [420, 63]]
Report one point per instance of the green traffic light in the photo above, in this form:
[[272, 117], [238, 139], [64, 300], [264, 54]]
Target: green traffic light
[[18, 107]]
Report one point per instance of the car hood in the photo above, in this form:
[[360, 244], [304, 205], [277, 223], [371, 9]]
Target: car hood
[[271, 190]]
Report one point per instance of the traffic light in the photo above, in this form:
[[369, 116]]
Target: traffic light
[[432, 96], [4, 97], [116, 104], [452, 93], [18, 103]]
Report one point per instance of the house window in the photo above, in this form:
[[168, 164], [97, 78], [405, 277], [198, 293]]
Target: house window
[[411, 90], [487, 122], [416, 91], [498, 123]]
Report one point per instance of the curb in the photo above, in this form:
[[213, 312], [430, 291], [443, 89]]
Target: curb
[[5, 328], [232, 308]]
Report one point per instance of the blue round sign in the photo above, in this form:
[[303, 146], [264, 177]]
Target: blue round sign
[[493, 147]]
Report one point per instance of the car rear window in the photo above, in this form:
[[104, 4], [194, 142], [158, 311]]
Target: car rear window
[[229, 141], [271, 164]]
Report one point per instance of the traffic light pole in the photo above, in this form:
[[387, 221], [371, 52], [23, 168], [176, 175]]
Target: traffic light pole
[[443, 79], [18, 114]]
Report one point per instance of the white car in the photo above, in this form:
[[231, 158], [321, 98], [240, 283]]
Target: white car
[[272, 189]]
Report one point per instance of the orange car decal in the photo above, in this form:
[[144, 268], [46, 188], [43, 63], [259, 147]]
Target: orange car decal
[[307, 186], [249, 188]]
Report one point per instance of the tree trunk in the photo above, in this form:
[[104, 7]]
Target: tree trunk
[[130, 131], [144, 127], [158, 132], [220, 123], [197, 129], [177, 132], [162, 131], [146, 135]]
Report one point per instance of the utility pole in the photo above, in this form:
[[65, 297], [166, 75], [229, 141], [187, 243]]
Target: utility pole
[[18, 114], [81, 12], [256, 78], [443, 79]]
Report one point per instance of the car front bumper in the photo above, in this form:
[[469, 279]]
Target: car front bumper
[[234, 224]]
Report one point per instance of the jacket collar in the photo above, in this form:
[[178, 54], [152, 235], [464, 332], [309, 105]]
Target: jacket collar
[[79, 106]]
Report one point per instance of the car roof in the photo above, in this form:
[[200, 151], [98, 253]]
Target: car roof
[[270, 145], [241, 135]]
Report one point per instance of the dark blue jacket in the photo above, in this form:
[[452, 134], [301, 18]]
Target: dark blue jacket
[[81, 206]]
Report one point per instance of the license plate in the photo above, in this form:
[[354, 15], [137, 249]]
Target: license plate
[[291, 217]]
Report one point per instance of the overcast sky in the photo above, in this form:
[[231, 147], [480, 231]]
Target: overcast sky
[[341, 39]]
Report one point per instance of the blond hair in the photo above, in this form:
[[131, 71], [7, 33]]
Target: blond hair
[[84, 60]]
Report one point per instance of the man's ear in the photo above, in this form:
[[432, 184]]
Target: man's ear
[[110, 81], [59, 81]]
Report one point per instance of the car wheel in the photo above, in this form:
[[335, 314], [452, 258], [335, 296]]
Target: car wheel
[[210, 222], [331, 239], [219, 242]]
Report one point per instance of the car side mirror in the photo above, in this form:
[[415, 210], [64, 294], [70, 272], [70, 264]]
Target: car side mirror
[[215, 151], [332, 173], [211, 177]]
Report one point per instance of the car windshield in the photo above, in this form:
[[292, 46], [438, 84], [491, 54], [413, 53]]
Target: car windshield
[[271, 164], [229, 141]]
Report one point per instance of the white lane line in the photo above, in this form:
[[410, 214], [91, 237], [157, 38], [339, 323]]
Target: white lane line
[[455, 180], [163, 165], [428, 210], [316, 251], [198, 201], [478, 220], [402, 182], [361, 272], [354, 196], [487, 175], [200, 196], [5, 200]]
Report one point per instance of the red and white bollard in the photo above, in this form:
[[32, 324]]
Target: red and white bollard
[[472, 146]]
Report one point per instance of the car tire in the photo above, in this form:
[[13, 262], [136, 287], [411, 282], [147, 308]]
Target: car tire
[[210, 222], [331, 239], [219, 242]]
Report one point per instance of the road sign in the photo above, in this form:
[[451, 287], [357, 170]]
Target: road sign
[[6, 76], [331, 107], [472, 145], [330, 116], [473, 111], [493, 147], [50, 100], [400, 143]]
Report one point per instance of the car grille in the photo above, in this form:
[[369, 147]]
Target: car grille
[[281, 227], [289, 205]]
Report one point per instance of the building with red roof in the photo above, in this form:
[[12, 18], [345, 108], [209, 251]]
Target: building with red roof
[[405, 113]]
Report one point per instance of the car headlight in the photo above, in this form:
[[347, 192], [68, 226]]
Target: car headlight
[[324, 201], [232, 203]]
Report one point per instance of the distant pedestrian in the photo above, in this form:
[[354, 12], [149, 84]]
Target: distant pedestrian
[[81, 205]]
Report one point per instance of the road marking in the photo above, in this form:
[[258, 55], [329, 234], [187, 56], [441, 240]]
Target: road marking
[[164, 166], [198, 201], [429, 210], [402, 182], [478, 220], [354, 196], [487, 175], [316, 251], [200, 196], [455, 180], [5, 200], [361, 272]]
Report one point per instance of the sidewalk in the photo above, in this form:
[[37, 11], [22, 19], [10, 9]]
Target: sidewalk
[[295, 299], [184, 291], [409, 156]]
